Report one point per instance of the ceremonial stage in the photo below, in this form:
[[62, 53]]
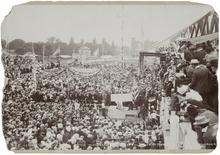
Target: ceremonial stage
[[122, 113]]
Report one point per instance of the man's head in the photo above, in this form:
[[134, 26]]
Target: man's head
[[214, 65], [194, 62]]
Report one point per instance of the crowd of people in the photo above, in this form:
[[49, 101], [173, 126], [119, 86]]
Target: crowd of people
[[38, 128], [190, 84], [55, 109], [16, 65]]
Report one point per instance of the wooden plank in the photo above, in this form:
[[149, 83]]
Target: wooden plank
[[212, 25], [199, 27], [193, 29], [216, 21], [205, 25]]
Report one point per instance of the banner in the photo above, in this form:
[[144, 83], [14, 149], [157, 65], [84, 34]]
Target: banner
[[85, 73]]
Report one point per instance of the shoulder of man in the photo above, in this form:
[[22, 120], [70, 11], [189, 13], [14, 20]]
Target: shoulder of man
[[201, 67]]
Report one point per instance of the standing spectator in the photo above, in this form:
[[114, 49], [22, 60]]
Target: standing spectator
[[206, 132], [213, 94], [190, 69], [200, 80]]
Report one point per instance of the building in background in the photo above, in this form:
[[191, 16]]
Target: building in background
[[84, 53]]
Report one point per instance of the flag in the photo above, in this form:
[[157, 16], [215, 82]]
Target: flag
[[135, 93], [96, 52], [57, 52]]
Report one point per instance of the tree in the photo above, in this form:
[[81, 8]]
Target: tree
[[20, 51], [49, 49], [71, 42], [51, 40], [38, 48], [3, 43], [16, 43], [51, 45], [29, 47], [58, 41]]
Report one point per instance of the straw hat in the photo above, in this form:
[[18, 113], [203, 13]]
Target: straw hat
[[192, 47], [142, 145], [194, 61], [200, 120], [151, 99], [199, 49]]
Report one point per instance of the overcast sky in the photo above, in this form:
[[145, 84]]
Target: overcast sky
[[152, 22]]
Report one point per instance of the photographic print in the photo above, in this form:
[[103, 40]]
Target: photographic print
[[110, 77]]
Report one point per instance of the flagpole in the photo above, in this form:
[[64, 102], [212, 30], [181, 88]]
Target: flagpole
[[122, 35], [7, 46], [34, 65], [43, 54], [59, 56], [68, 93]]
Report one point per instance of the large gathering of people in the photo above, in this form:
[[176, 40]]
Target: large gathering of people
[[56, 109], [51, 107], [192, 91]]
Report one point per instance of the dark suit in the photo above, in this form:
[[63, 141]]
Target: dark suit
[[200, 81], [209, 136], [189, 72]]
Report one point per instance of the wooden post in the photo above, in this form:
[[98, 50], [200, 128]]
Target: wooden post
[[34, 66], [43, 55]]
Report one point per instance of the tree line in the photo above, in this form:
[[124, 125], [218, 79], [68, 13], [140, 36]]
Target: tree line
[[19, 46]]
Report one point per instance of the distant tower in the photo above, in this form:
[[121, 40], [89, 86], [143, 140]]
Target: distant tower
[[133, 46], [122, 32], [142, 34]]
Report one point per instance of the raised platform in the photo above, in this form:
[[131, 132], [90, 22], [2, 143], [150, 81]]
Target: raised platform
[[115, 113]]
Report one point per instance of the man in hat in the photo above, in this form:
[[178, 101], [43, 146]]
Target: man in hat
[[206, 131], [200, 79], [188, 51], [190, 68], [213, 94], [143, 111], [214, 65], [199, 53], [211, 53]]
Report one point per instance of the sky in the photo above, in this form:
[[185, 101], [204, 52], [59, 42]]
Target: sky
[[35, 23]]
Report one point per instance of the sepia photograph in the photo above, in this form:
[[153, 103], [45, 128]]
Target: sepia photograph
[[118, 77]]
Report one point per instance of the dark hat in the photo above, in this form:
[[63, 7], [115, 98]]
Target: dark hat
[[209, 48], [214, 62], [192, 111]]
